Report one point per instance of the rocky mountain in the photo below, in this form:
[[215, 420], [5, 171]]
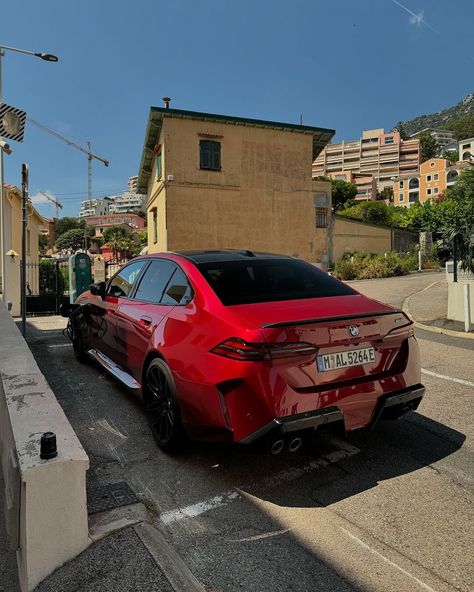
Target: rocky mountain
[[441, 118]]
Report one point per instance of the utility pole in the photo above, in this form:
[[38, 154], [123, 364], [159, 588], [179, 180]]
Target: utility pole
[[24, 202]]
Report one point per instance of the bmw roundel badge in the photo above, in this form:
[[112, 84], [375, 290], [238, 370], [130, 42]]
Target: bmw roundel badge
[[353, 330]]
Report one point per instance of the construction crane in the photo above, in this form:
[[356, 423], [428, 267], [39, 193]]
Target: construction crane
[[54, 201], [90, 154]]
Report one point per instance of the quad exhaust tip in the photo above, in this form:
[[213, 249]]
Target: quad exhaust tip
[[295, 444], [277, 446]]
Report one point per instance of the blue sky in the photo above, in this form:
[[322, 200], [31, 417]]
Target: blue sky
[[344, 64]]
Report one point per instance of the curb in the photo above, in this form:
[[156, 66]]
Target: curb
[[430, 328]]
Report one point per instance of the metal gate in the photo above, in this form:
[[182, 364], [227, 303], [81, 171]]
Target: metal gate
[[47, 286]]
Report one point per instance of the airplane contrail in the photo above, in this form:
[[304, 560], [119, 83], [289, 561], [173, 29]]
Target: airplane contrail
[[417, 17]]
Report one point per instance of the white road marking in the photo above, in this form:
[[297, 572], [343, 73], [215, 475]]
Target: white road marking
[[345, 450], [106, 426], [258, 537], [386, 560], [444, 377], [55, 345]]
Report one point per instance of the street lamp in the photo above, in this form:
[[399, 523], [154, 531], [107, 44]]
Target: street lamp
[[47, 57]]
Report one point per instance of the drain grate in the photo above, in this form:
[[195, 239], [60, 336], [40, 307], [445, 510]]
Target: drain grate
[[109, 496]]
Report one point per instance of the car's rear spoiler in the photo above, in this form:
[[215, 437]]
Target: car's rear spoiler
[[329, 319]]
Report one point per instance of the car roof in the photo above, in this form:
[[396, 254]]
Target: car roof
[[217, 256]]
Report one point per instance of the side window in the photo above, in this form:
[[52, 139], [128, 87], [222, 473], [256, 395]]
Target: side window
[[210, 155], [121, 284], [155, 280], [178, 290]]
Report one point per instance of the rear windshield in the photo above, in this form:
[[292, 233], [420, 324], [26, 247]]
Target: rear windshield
[[269, 280]]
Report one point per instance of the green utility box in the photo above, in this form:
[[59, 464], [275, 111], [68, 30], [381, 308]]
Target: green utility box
[[79, 275]]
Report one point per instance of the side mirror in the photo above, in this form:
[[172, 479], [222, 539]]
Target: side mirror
[[98, 289]]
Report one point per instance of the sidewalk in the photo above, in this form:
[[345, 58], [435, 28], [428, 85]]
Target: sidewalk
[[429, 308]]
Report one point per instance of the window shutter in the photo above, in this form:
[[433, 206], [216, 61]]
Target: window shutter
[[216, 156], [205, 152]]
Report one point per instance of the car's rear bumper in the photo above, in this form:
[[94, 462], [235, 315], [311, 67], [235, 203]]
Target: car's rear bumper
[[394, 403]]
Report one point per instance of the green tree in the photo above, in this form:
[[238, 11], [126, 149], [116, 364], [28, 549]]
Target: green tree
[[116, 237], [402, 131], [386, 194], [342, 191], [71, 240], [374, 212], [458, 216], [62, 225], [42, 243], [463, 127], [429, 147], [451, 156]]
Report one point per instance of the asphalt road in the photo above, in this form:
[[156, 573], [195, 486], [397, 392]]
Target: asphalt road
[[390, 512]]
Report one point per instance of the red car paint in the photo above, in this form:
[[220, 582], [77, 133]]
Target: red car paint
[[227, 399]]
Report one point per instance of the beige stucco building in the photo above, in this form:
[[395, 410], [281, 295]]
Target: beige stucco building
[[12, 225], [382, 155], [217, 181]]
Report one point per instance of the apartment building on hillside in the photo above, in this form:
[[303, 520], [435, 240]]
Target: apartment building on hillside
[[382, 155], [435, 176], [466, 149], [442, 136], [365, 182]]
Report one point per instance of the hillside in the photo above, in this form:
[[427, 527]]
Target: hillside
[[441, 118]]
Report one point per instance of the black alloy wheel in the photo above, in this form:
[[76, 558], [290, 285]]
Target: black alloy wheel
[[162, 407], [78, 343]]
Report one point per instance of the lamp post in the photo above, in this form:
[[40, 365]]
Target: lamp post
[[47, 57]]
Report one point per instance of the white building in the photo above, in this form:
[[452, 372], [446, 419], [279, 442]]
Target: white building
[[442, 136], [466, 149], [94, 207], [127, 202]]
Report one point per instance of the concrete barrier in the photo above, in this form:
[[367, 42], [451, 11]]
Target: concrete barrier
[[45, 500]]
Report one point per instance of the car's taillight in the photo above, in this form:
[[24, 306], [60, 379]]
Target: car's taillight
[[238, 349]]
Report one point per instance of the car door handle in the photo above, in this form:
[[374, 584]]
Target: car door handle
[[146, 321]]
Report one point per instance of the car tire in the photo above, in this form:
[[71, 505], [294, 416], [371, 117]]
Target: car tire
[[162, 407], [78, 344]]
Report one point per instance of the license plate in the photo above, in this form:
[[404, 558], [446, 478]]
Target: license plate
[[345, 359]]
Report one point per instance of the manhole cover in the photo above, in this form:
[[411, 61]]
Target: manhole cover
[[109, 496]]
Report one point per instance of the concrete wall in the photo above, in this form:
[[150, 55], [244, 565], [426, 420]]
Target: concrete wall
[[352, 235], [261, 199], [456, 300], [46, 510]]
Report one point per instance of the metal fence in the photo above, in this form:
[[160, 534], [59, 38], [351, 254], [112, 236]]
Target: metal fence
[[47, 285]]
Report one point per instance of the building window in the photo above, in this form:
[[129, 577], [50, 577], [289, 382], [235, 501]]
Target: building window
[[428, 178], [401, 184], [436, 190], [432, 164], [159, 165], [466, 156], [435, 177], [428, 192], [400, 196], [451, 176], [414, 183], [210, 155], [389, 140], [321, 218], [155, 225], [414, 196], [466, 146]]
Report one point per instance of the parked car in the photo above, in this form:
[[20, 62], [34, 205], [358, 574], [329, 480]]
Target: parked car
[[241, 346]]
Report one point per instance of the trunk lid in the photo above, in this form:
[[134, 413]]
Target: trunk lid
[[339, 327]]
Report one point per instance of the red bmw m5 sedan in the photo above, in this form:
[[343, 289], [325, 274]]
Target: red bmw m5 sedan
[[242, 346]]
